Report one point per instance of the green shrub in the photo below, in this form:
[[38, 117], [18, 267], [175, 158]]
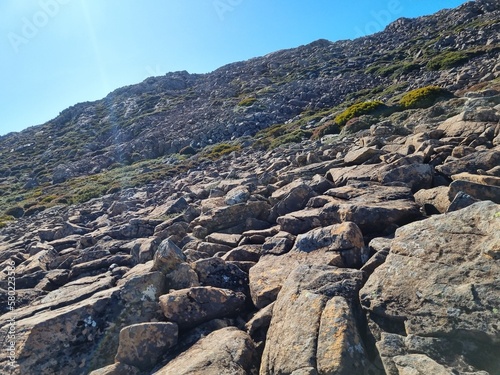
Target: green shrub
[[5, 219], [247, 102], [222, 149], [359, 109], [423, 97], [448, 60]]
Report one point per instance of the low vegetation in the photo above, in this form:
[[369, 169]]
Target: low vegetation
[[358, 109], [247, 102], [423, 97], [448, 60], [221, 149]]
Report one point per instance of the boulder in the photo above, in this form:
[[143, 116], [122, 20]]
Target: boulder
[[341, 176], [345, 238], [225, 217], [117, 369], [237, 195], [291, 197], [477, 178], [141, 345], [337, 245], [193, 306], [460, 201], [471, 163], [475, 190], [306, 315], [415, 176], [218, 273], [434, 200], [167, 257], [359, 156], [227, 351], [439, 278]]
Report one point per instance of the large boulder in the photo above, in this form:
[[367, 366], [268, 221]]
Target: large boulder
[[227, 351], [313, 312], [338, 245], [440, 279], [141, 345], [192, 306], [225, 217], [471, 163]]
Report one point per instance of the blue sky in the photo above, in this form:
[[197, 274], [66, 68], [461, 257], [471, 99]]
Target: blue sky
[[56, 53]]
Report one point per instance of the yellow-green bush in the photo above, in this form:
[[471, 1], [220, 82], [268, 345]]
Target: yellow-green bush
[[222, 149], [423, 97], [359, 109], [247, 102]]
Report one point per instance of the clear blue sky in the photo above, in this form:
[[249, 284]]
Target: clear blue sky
[[56, 53]]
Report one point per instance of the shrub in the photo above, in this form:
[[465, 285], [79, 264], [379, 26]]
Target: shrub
[[359, 109], [4, 220], [222, 149], [247, 102], [448, 60], [423, 97]]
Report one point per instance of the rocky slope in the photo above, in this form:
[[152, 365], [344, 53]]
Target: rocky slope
[[373, 251], [453, 49]]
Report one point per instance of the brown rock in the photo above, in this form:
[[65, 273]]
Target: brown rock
[[141, 345], [416, 176], [345, 238], [477, 178], [361, 155], [220, 218], [291, 197], [413, 284], [436, 197], [167, 257], [477, 191], [340, 349], [218, 273], [190, 307], [471, 163], [117, 369], [298, 317], [227, 351]]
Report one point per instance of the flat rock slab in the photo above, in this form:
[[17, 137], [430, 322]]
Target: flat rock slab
[[441, 276]]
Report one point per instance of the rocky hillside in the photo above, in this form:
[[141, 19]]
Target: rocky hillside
[[332, 209], [453, 49]]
